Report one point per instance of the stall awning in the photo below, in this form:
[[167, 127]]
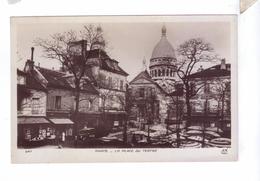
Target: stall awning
[[32, 120], [61, 121]]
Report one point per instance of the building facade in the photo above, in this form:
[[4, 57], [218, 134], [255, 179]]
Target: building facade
[[108, 78], [212, 103], [33, 126], [160, 79]]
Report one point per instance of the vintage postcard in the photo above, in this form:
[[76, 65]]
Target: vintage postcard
[[124, 88]]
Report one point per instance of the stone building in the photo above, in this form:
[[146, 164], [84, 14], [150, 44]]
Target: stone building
[[149, 100], [108, 78], [212, 104], [33, 125], [61, 101], [160, 80]]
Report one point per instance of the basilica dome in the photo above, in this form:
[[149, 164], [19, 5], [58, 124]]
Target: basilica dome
[[163, 61], [163, 49]]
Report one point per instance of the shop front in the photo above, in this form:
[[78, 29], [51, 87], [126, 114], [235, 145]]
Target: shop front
[[63, 129], [35, 131]]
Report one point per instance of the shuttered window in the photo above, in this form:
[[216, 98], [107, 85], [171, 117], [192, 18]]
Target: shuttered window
[[54, 102], [35, 105], [50, 102], [58, 102]]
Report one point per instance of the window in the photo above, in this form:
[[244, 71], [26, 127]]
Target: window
[[155, 73], [167, 72], [110, 82], [116, 123], [163, 72], [27, 134], [100, 102], [69, 132], [121, 85], [58, 102], [159, 73], [141, 92], [35, 105]]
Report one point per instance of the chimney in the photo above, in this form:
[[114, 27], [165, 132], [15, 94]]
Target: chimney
[[223, 64], [83, 48], [32, 50], [200, 69], [28, 68], [29, 65]]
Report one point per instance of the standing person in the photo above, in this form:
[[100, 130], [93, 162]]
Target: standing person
[[63, 137]]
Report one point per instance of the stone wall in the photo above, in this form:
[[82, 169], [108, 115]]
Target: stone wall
[[34, 105], [88, 102]]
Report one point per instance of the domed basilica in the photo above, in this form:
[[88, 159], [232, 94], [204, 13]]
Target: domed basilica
[[163, 63], [158, 81]]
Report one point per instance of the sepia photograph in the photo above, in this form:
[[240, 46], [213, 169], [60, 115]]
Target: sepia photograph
[[158, 85]]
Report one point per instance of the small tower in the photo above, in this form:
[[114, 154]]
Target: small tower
[[144, 66], [100, 42]]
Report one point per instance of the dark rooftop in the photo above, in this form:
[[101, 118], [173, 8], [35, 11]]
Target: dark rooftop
[[214, 71], [144, 74], [106, 63], [31, 81], [56, 79]]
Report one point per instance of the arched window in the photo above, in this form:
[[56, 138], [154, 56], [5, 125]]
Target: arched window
[[159, 72], [167, 72], [155, 73], [163, 72]]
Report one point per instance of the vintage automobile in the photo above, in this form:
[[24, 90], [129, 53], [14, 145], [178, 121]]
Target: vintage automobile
[[87, 134]]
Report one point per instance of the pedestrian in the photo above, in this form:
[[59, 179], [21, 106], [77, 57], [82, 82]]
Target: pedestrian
[[63, 137]]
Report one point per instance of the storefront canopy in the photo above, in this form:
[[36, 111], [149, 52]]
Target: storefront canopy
[[32, 120], [61, 121]]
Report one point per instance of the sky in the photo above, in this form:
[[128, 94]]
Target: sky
[[130, 40]]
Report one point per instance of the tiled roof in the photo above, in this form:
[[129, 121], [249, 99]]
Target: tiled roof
[[112, 66], [145, 75], [214, 71], [31, 81], [57, 80]]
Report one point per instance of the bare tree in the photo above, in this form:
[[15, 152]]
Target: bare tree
[[127, 102], [58, 47], [192, 53], [221, 89]]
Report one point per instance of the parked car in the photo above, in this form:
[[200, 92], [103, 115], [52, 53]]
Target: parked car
[[87, 134]]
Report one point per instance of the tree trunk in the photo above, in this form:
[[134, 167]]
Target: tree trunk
[[188, 107], [178, 123], [76, 111], [125, 129], [222, 110]]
